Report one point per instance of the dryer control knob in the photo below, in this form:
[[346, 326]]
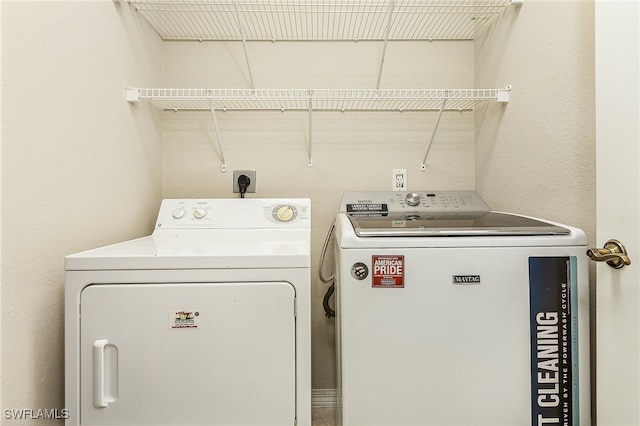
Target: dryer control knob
[[284, 213], [178, 213], [199, 213], [413, 199]]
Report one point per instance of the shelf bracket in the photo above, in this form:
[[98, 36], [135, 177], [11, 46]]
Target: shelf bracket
[[133, 94], [215, 128], [244, 43], [310, 108], [503, 95], [423, 166], [386, 40]]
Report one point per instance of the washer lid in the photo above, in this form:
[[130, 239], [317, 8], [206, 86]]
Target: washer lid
[[416, 224]]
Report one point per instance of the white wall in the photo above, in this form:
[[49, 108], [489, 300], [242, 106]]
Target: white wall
[[537, 156], [1, 83], [80, 168]]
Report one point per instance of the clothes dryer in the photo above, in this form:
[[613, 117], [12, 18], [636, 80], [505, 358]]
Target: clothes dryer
[[449, 313], [204, 322]]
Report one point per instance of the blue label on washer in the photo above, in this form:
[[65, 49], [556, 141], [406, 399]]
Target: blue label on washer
[[554, 341]]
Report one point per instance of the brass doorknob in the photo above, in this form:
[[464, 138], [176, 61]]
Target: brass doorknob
[[613, 252]]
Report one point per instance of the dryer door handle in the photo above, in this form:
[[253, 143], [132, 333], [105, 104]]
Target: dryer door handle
[[105, 373]]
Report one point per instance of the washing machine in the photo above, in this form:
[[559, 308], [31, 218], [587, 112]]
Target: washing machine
[[448, 313], [204, 322]]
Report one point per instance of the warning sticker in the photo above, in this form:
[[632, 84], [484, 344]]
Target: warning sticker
[[367, 207], [388, 271], [183, 319]]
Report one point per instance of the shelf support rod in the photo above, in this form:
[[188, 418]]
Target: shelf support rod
[[244, 43], [423, 166], [310, 157], [386, 40], [215, 128]]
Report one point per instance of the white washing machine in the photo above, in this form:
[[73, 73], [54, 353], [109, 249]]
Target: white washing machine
[[204, 322], [451, 314]]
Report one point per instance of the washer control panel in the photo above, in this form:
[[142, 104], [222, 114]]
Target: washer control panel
[[234, 213], [418, 201]]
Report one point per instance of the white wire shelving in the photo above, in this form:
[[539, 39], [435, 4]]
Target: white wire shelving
[[317, 99], [311, 100], [319, 20]]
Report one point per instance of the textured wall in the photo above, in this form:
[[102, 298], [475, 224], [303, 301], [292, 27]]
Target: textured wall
[[537, 156], [80, 168]]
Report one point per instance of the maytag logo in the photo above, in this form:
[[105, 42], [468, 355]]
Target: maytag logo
[[466, 279]]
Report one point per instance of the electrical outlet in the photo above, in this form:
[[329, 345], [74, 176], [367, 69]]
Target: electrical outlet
[[399, 179], [251, 174]]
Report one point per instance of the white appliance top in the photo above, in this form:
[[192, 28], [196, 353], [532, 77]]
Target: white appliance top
[[246, 213], [388, 216], [213, 233]]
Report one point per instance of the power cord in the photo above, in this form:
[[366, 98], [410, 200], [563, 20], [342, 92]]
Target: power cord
[[328, 310], [243, 183]]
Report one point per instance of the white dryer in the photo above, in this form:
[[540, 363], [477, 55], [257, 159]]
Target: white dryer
[[451, 314], [204, 322]]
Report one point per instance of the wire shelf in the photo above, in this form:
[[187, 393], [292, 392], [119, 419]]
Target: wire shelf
[[318, 99], [319, 20]]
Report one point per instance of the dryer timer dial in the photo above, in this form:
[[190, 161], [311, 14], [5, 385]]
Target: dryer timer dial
[[284, 213]]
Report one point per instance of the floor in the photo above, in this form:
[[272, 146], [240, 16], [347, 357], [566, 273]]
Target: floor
[[323, 417]]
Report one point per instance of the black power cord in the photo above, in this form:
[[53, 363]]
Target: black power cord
[[243, 183], [328, 310]]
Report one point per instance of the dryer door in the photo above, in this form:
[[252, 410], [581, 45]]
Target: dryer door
[[184, 353]]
